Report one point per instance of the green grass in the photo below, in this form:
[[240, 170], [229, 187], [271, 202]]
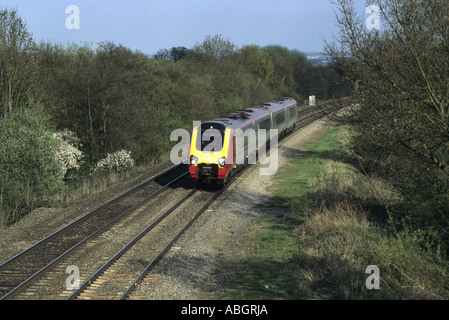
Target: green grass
[[270, 264], [293, 181], [340, 223]]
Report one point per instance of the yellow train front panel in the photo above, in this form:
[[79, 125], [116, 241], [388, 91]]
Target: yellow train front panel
[[210, 153]]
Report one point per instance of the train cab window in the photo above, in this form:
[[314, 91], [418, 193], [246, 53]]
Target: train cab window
[[280, 117], [210, 137]]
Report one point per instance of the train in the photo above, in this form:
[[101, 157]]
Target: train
[[217, 145]]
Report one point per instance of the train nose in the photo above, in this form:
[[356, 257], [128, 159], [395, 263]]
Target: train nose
[[209, 156]]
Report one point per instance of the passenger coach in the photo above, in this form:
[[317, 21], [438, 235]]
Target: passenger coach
[[213, 147]]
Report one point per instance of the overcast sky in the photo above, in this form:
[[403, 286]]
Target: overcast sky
[[150, 25]]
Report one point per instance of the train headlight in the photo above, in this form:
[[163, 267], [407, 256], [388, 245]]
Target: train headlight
[[222, 162], [193, 160]]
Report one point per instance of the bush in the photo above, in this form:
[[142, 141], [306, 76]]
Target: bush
[[29, 171], [119, 161], [68, 155], [345, 223]]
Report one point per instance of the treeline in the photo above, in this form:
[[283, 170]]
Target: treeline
[[70, 111], [400, 127]]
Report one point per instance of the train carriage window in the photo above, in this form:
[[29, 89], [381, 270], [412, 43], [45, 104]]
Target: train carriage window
[[280, 117], [265, 124], [292, 112]]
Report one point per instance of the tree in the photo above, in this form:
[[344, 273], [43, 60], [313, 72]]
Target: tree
[[81, 82], [216, 47], [29, 170], [117, 68], [286, 63], [177, 53], [162, 54], [257, 64], [17, 64], [401, 124]]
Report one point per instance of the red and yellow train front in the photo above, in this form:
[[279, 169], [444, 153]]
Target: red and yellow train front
[[211, 155]]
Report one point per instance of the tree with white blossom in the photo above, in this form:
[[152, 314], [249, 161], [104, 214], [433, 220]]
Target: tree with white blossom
[[68, 155], [118, 161]]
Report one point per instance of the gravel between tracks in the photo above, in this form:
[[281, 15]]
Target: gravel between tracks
[[206, 259]]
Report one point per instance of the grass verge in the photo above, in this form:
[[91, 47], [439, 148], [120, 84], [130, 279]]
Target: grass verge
[[341, 223]]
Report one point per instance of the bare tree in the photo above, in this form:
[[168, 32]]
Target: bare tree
[[16, 61], [401, 125]]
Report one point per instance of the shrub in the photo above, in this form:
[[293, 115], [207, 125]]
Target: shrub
[[68, 155], [29, 172], [119, 161]]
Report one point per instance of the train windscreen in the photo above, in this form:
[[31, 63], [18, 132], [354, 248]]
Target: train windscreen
[[210, 137]]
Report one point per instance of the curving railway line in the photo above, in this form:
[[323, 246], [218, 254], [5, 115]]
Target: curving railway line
[[115, 245]]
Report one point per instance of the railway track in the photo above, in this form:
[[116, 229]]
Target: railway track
[[130, 266], [36, 271], [21, 270]]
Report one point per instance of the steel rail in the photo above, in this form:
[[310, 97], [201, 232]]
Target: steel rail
[[88, 214], [169, 244], [22, 286], [129, 245]]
